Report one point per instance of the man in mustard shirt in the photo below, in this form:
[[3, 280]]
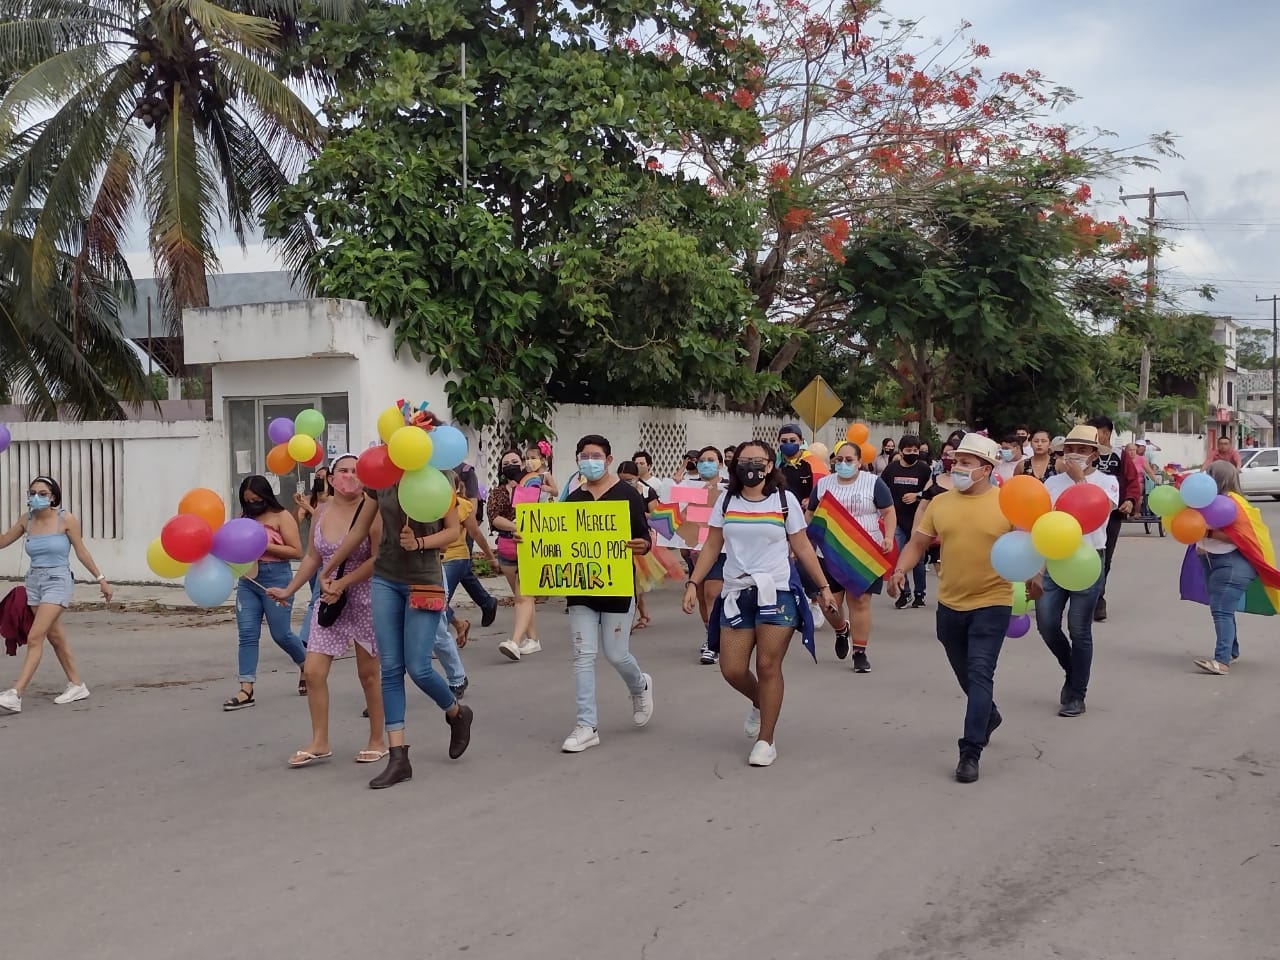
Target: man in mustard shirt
[[974, 602]]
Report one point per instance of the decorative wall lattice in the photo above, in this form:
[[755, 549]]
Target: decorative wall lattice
[[666, 441]]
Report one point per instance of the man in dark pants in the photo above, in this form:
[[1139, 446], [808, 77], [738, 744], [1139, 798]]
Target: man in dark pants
[[974, 602], [906, 477], [1114, 463]]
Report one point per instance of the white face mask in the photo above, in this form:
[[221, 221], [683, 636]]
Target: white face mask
[[1079, 459]]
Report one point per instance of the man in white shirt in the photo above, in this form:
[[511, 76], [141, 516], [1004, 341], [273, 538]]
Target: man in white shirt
[[1078, 464]]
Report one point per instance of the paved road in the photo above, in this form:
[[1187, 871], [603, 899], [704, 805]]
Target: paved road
[[145, 823]]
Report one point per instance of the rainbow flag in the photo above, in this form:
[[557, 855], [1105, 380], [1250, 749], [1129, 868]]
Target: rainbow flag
[[664, 519], [1253, 540], [852, 557]]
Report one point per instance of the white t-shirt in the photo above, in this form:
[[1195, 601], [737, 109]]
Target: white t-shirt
[[1109, 485], [755, 536], [859, 498]]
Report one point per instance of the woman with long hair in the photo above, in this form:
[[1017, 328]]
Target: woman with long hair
[[708, 464], [502, 521], [51, 534], [1040, 464], [407, 597], [258, 502], [332, 635], [306, 507], [758, 523]]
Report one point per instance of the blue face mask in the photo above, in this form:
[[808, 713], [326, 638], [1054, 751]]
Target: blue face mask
[[708, 469], [591, 469], [789, 449], [38, 501], [846, 470], [1006, 455]]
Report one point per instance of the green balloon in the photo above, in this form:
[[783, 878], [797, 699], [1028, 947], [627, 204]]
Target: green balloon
[[1080, 571], [1020, 604], [425, 494], [1165, 500], [309, 423]]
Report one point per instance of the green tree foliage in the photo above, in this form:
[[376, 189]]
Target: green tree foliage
[[572, 265]]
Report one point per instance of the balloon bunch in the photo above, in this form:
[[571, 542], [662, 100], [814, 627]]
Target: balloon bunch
[[296, 441], [416, 448], [860, 435], [1019, 616], [5, 437], [205, 549], [1192, 509], [1047, 536]]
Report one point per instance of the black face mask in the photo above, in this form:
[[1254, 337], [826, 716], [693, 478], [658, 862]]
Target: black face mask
[[910, 458], [255, 509], [512, 472], [750, 476]]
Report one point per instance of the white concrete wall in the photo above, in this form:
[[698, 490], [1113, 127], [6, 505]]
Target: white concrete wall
[[161, 462]]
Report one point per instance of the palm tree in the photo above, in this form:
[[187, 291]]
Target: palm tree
[[178, 110]]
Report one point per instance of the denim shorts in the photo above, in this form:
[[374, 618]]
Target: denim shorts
[[49, 585], [751, 614]]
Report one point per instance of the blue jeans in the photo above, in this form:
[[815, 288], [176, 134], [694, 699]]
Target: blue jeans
[[900, 537], [405, 637], [1075, 656], [251, 606], [1227, 576], [445, 647], [458, 573], [305, 633], [972, 640], [589, 628]]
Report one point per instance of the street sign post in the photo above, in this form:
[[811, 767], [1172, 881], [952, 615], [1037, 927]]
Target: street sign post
[[816, 404]]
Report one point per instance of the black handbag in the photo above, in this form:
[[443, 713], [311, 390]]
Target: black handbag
[[327, 614]]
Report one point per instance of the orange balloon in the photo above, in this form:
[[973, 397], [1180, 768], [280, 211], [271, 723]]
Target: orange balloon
[[868, 451], [206, 505], [1024, 500], [278, 460], [1186, 526], [858, 433]]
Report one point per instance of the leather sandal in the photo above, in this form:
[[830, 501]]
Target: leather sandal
[[242, 699]]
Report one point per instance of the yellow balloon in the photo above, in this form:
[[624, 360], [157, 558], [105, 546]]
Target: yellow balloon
[[409, 448], [301, 447], [389, 421], [163, 565], [1056, 535]]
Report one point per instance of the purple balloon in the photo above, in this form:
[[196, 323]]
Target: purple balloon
[[240, 540], [279, 430], [1018, 626], [4, 438], [1219, 513]]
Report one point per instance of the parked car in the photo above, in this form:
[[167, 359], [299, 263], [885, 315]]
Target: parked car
[[1260, 471]]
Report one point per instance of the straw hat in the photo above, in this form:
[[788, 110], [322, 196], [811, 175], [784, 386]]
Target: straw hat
[[984, 448]]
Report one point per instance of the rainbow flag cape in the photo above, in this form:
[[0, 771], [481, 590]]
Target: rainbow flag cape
[[664, 519], [1253, 540], [852, 557]]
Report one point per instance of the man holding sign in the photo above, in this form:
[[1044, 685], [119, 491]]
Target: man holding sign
[[583, 549]]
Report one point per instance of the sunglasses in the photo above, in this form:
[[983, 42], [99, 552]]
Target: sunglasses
[[753, 464]]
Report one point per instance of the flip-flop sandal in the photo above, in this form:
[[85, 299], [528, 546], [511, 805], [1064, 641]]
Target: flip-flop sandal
[[1211, 666], [641, 623], [236, 703], [464, 633], [371, 756], [307, 758]]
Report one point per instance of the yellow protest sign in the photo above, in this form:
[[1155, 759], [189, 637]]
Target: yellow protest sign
[[573, 549]]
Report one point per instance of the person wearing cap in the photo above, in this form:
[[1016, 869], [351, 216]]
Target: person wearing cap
[[1040, 463], [1114, 463], [797, 471], [1074, 649], [974, 602]]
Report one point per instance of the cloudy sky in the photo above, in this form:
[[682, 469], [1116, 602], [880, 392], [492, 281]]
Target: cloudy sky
[[1204, 72]]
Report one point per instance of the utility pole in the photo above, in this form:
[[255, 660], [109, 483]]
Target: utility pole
[[1275, 374], [1144, 370]]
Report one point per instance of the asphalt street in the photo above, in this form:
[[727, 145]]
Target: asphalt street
[[146, 823]]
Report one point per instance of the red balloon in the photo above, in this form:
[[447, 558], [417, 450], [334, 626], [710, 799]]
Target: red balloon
[[1087, 503], [186, 538], [375, 469], [315, 461]]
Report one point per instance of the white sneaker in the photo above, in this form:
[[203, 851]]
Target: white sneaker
[[74, 692], [762, 754], [581, 738], [509, 649], [642, 703], [752, 726], [819, 618], [529, 645], [10, 701]]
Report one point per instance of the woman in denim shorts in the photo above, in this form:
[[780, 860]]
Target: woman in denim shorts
[[51, 534], [759, 523]]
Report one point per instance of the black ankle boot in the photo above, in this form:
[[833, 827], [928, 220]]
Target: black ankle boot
[[397, 771]]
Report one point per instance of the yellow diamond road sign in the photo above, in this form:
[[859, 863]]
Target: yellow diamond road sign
[[816, 403]]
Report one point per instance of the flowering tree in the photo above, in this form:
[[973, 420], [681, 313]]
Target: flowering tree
[[861, 117]]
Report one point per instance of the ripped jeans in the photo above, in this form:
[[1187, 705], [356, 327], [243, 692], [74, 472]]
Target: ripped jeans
[[588, 629]]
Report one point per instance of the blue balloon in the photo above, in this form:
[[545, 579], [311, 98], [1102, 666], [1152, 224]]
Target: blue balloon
[[1014, 557], [1198, 490], [209, 582], [448, 447]]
